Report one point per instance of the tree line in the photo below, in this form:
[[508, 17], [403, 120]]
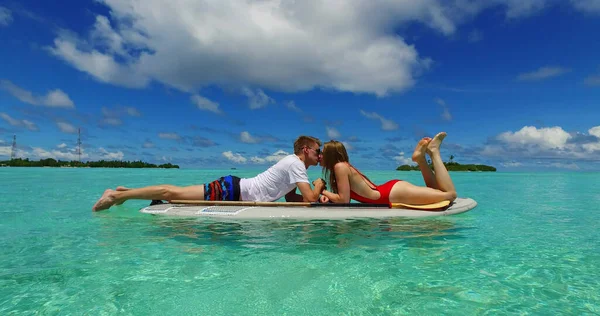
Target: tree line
[[50, 162], [451, 166]]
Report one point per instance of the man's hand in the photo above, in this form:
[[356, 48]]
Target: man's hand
[[320, 184]]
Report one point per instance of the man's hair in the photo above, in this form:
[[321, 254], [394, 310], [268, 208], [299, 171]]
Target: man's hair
[[305, 141]]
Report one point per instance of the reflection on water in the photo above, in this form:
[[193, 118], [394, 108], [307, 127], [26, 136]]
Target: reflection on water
[[303, 235]]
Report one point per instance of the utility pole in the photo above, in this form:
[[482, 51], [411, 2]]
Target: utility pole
[[79, 144], [13, 152]]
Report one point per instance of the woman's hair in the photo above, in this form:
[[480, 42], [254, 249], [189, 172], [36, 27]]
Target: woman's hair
[[333, 152]]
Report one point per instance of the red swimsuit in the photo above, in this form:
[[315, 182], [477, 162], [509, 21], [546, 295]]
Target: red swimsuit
[[384, 191]]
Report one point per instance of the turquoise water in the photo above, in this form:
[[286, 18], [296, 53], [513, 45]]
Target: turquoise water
[[530, 247]]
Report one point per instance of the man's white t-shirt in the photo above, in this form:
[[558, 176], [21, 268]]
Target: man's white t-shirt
[[275, 182]]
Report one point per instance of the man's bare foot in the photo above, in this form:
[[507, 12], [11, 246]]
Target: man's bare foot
[[435, 143], [419, 154], [106, 201]]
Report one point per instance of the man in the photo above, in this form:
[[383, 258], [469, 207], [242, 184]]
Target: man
[[280, 179]]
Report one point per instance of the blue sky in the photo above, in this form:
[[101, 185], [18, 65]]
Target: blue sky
[[514, 83]]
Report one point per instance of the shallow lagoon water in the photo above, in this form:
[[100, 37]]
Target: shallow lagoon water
[[531, 246]]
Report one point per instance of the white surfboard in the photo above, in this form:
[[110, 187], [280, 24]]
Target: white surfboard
[[314, 211]]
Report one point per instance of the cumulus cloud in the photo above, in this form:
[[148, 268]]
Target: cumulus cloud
[[19, 123], [333, 133], [403, 160], [446, 116], [113, 116], [148, 144], [66, 127], [63, 152], [386, 125], [546, 138], [171, 136], [5, 16], [283, 46], [54, 98], [237, 158], [589, 6], [291, 105], [547, 142], [245, 137], [257, 99], [205, 104], [543, 73]]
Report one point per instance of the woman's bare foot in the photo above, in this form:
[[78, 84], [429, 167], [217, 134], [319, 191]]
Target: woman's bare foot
[[121, 188], [107, 200], [435, 143], [419, 154]]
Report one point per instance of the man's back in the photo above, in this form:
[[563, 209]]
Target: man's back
[[274, 182]]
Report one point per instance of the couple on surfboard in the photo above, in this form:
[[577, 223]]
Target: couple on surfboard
[[290, 173]]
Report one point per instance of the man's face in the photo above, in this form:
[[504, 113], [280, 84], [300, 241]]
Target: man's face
[[313, 154]]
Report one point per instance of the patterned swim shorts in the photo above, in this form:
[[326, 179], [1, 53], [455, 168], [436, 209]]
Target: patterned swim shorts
[[224, 189]]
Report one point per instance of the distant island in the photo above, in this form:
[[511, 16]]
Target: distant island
[[451, 166], [49, 162]]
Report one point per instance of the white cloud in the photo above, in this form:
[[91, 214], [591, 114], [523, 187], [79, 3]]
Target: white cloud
[[171, 136], [205, 104], [61, 146], [237, 158], [131, 111], [245, 137], [402, 160], [257, 99], [291, 105], [118, 155], [543, 73], [595, 131], [561, 165], [547, 137], [284, 46], [54, 98], [548, 142], [446, 116], [386, 125], [520, 8], [19, 123], [66, 127], [348, 145], [5, 16], [512, 164], [148, 144], [589, 6], [273, 158], [332, 133]]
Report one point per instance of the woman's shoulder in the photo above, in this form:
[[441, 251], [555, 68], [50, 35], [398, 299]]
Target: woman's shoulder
[[341, 167]]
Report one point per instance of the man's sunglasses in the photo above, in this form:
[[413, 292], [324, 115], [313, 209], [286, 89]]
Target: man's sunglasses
[[317, 151]]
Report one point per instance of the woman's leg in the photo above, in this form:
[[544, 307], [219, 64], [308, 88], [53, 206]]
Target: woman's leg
[[419, 157], [156, 192], [406, 192], [441, 173]]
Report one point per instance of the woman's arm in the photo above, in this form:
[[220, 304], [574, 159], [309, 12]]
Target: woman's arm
[[342, 178]]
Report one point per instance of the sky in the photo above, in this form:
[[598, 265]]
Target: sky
[[223, 84]]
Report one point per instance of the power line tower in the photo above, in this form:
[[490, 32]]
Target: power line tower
[[79, 143], [13, 152]]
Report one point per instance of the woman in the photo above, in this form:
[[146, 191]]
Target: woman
[[348, 183]]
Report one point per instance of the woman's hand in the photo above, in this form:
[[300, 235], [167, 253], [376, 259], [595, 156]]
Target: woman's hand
[[324, 199]]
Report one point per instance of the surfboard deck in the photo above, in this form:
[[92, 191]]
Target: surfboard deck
[[460, 205]]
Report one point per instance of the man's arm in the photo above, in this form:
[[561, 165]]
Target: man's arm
[[308, 194]]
